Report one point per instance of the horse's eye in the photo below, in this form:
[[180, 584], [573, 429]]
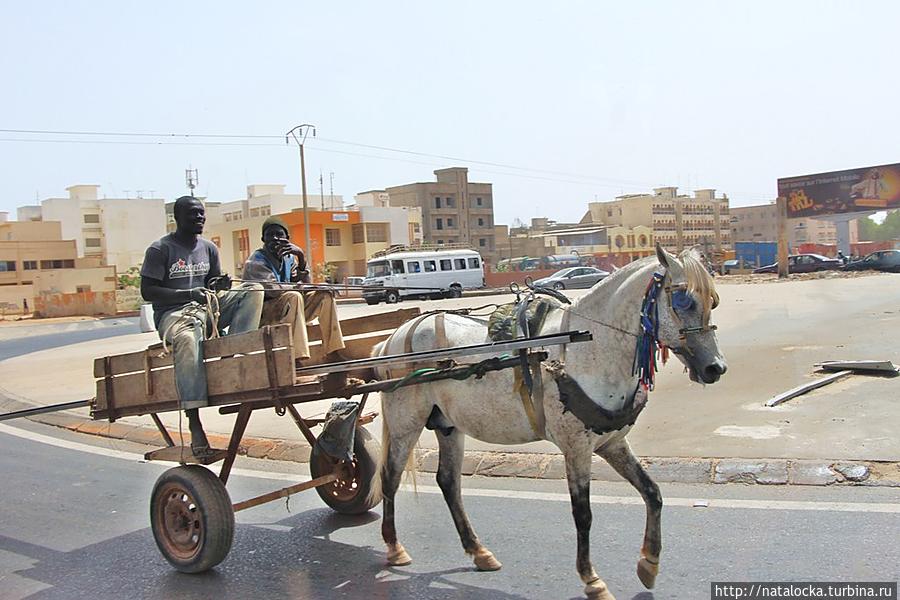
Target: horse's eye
[[682, 301]]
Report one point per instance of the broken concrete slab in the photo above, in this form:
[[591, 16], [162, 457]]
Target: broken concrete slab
[[803, 472], [773, 472], [852, 471]]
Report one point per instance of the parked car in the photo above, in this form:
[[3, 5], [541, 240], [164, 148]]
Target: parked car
[[573, 278], [883, 260], [804, 263]]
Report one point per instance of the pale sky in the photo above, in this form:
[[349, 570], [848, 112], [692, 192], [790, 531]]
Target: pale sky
[[578, 100]]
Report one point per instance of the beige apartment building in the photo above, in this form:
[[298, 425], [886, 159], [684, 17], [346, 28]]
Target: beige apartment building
[[760, 224], [116, 231], [676, 221], [455, 211], [35, 260]]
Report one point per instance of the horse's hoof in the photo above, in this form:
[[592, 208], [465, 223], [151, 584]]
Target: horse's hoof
[[397, 556], [485, 561], [647, 572], [597, 590]]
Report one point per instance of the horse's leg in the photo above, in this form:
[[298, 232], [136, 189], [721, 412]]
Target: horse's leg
[[620, 457], [398, 452], [578, 473], [449, 475]]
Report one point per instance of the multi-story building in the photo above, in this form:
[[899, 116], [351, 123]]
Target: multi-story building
[[455, 211], [116, 231], [35, 260], [760, 224], [676, 221]]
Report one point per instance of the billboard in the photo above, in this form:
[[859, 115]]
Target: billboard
[[854, 190]]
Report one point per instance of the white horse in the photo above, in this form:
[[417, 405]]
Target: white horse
[[593, 380]]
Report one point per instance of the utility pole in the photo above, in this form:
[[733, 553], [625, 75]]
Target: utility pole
[[331, 193], [299, 134], [321, 190]]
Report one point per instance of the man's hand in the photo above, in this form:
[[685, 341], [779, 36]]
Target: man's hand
[[222, 283], [286, 247], [197, 294]]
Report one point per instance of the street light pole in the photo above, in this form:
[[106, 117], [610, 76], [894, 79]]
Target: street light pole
[[299, 134]]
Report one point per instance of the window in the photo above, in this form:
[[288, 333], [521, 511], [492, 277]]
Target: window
[[449, 222], [430, 266], [30, 265], [482, 242], [480, 222], [473, 263], [439, 223], [92, 242], [254, 212], [446, 264], [376, 232], [440, 242], [459, 263], [82, 289], [67, 264], [413, 266], [332, 237], [477, 201], [91, 218], [359, 233], [397, 267], [437, 202], [7, 265], [451, 203]]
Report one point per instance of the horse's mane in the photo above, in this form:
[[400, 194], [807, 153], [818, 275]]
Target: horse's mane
[[700, 282]]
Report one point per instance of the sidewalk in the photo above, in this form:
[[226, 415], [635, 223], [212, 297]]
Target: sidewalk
[[770, 334]]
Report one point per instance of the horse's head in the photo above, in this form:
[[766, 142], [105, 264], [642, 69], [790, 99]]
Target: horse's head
[[684, 315]]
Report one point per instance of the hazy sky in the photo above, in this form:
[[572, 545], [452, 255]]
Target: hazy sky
[[578, 100]]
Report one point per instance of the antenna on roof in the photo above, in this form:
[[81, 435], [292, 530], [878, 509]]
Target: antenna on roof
[[191, 179]]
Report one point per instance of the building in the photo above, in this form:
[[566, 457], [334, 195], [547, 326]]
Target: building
[[116, 231], [760, 224], [35, 261], [455, 211], [675, 221]]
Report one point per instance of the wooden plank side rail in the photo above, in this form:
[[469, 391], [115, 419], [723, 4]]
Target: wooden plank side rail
[[369, 323], [228, 345]]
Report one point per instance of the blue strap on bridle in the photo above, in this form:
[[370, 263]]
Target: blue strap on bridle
[[648, 339]]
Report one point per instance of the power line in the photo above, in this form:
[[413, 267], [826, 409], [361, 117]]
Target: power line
[[320, 139]]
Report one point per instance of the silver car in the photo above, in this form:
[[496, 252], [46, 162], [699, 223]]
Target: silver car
[[573, 278]]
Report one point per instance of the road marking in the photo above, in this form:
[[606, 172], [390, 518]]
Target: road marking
[[732, 503]]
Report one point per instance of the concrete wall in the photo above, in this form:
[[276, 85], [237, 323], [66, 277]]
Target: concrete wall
[[68, 213], [12, 296], [30, 231], [101, 279], [129, 227], [67, 305]]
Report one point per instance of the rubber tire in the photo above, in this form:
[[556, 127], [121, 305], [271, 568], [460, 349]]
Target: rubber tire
[[559, 285], [455, 291], [214, 508], [391, 297], [367, 451], [372, 301]]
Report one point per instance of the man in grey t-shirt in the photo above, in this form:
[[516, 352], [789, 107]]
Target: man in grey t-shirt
[[176, 275]]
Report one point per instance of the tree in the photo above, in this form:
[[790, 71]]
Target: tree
[[130, 278]]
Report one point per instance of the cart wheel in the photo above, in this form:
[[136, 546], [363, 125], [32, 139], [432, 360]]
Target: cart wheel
[[191, 518], [349, 495]]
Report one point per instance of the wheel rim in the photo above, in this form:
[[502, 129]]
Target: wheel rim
[[180, 522], [347, 486]]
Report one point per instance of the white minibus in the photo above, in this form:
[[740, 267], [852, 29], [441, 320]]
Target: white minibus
[[437, 274]]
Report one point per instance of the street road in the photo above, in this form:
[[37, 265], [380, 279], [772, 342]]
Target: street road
[[75, 524]]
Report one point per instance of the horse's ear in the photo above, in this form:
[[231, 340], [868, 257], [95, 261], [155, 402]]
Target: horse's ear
[[662, 256]]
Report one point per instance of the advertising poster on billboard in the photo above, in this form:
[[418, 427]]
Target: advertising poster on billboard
[[854, 190]]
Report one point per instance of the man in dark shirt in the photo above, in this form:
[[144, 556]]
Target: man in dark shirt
[[176, 276], [281, 262]]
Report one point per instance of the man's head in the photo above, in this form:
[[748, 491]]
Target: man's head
[[190, 216], [275, 234]]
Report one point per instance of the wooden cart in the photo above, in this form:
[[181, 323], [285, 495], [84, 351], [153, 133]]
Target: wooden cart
[[191, 513]]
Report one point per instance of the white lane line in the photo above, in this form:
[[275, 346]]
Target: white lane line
[[734, 503]]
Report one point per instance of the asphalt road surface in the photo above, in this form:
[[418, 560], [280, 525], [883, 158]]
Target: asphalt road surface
[[75, 521]]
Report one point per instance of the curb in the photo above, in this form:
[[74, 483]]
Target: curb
[[766, 471]]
